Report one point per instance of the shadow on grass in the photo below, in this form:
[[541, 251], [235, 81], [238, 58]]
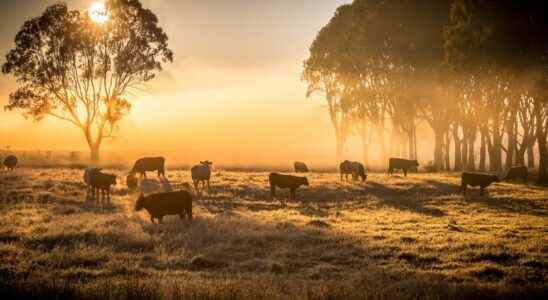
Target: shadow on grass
[[508, 204]]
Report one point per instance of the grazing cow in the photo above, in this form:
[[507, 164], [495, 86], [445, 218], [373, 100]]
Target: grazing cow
[[132, 182], [87, 179], [358, 170], [100, 183], [401, 164], [354, 168], [10, 162], [482, 180], [518, 172], [163, 204], [145, 164], [201, 173], [300, 167], [285, 182]]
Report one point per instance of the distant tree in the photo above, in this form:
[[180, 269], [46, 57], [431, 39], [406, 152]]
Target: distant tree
[[321, 72], [79, 71]]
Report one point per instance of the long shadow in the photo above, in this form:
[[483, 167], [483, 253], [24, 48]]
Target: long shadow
[[508, 204], [402, 200]]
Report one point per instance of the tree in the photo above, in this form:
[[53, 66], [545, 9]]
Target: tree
[[73, 69]]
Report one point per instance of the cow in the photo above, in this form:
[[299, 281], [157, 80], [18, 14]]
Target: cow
[[100, 184], [517, 172], [163, 204], [201, 173], [87, 179], [145, 164], [300, 167], [131, 182], [10, 162], [401, 164], [482, 180], [285, 182], [354, 168]]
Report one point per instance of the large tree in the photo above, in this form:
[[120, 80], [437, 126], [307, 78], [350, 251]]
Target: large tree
[[71, 67]]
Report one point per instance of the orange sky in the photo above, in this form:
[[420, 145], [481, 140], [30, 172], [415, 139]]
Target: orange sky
[[232, 94]]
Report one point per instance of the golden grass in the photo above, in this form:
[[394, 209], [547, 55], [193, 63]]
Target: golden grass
[[390, 237]]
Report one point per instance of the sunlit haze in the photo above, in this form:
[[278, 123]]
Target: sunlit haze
[[233, 91]]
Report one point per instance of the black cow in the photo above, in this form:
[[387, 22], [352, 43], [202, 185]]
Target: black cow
[[300, 167], [145, 164], [285, 182], [100, 184], [518, 172], [163, 204], [401, 164], [10, 162], [482, 180]]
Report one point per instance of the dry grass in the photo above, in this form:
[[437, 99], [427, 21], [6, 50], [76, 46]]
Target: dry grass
[[388, 238]]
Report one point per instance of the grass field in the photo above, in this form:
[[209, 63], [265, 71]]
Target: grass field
[[387, 238]]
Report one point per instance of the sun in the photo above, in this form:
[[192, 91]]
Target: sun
[[98, 12]]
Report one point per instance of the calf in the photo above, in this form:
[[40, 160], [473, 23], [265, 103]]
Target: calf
[[201, 173], [482, 180], [163, 204], [300, 167], [518, 172], [100, 183], [285, 182], [401, 164], [145, 164], [10, 162]]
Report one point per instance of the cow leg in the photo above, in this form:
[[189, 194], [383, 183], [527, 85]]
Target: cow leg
[[481, 190], [405, 172], [182, 216], [272, 191], [292, 193], [189, 213], [160, 219], [463, 188], [208, 186], [152, 219], [341, 176]]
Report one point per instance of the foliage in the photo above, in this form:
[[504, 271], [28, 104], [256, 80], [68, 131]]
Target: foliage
[[79, 71]]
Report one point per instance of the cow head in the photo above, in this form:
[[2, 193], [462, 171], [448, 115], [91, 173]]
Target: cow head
[[305, 181], [414, 163], [206, 163], [111, 179], [140, 204]]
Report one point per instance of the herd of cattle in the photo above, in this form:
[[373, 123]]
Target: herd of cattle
[[98, 183]]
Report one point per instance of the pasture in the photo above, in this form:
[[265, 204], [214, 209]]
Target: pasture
[[386, 238]]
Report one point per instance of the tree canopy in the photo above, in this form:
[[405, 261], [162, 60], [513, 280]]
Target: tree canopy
[[79, 71]]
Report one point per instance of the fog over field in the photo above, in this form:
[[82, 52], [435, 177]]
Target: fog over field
[[273, 149]]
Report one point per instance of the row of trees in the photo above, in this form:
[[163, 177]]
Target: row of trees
[[474, 70]]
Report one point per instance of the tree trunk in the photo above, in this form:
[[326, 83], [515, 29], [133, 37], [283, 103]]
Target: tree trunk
[[483, 150], [438, 150], [94, 152], [365, 143], [541, 141], [447, 145], [471, 165], [458, 153], [530, 156], [464, 153]]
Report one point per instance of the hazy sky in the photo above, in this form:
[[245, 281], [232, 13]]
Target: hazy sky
[[233, 91]]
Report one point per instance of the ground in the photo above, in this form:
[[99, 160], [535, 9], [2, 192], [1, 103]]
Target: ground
[[390, 237]]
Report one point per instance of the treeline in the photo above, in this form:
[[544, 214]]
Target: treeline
[[474, 70]]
